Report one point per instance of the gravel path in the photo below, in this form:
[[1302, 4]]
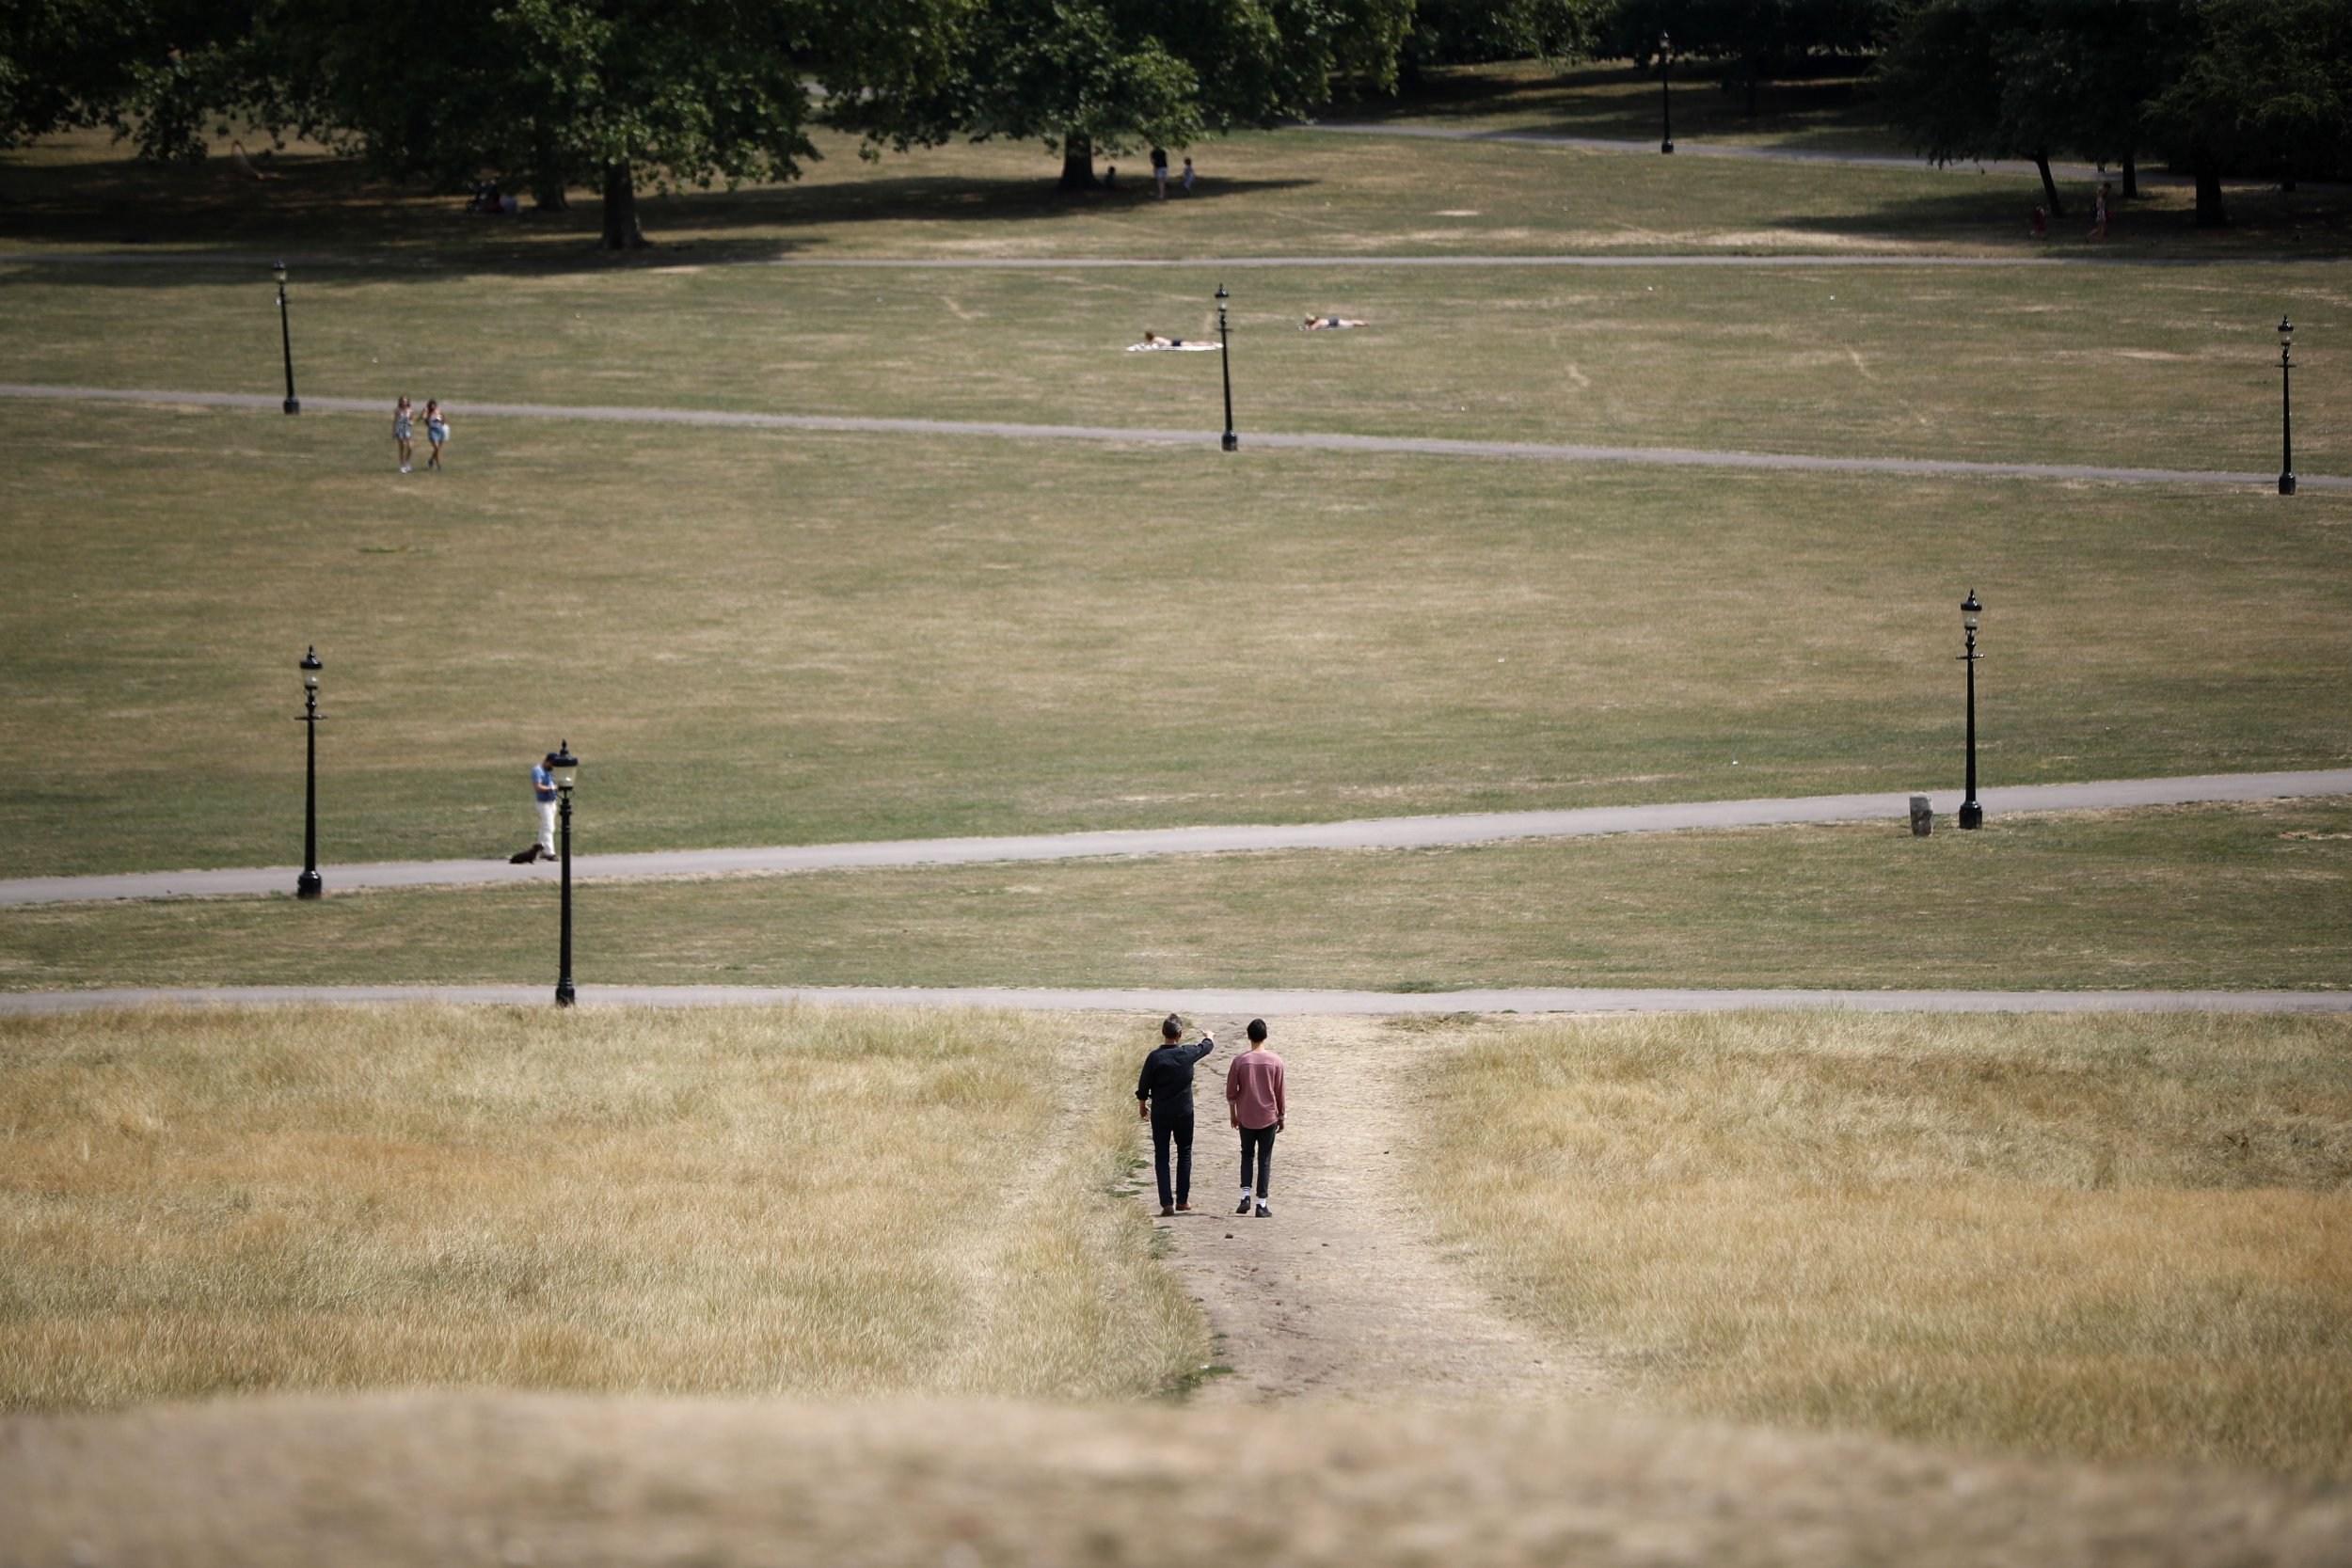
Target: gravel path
[[1396, 833], [1152, 1004], [1421, 446], [1337, 1294], [661, 258]]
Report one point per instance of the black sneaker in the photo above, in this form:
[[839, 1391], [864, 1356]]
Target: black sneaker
[[1243, 1207], [1265, 1212]]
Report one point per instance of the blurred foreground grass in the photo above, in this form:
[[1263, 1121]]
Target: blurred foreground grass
[[2112, 1236], [797, 1201]]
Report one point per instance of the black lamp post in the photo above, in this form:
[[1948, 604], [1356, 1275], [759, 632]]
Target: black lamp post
[[1225, 363], [309, 885], [285, 336], [2286, 408], [1665, 94], [1971, 813], [565, 768]]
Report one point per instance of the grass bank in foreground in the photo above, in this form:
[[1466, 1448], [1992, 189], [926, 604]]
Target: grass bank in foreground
[[2094, 1237], [803, 1201], [437, 1480], [2243, 896]]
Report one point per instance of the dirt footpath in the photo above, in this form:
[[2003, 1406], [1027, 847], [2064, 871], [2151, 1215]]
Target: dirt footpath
[[1336, 1295]]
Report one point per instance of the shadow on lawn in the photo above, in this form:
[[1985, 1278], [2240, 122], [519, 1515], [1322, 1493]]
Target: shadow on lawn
[[2265, 224], [318, 204]]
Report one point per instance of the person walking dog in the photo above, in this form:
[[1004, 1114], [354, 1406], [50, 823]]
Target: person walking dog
[[1253, 1096], [1163, 1098]]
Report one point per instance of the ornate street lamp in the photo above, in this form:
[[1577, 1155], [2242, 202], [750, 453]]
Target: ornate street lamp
[[2286, 408], [285, 336], [565, 770], [1225, 363], [308, 884], [1665, 94], [1971, 813]]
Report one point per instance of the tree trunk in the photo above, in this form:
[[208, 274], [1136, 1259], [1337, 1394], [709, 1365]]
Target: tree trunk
[[1077, 163], [2209, 213], [2131, 177], [547, 194], [2049, 186], [620, 209], [1756, 69]]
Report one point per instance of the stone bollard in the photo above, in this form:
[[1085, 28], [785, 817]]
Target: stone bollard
[[1922, 816]]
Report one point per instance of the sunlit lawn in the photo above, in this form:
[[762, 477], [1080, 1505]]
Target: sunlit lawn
[[2227, 896]]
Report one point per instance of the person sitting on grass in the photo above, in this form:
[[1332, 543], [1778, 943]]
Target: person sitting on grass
[[1329, 324]]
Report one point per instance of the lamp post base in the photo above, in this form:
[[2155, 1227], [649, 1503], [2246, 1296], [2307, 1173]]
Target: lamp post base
[[2286, 484], [1666, 146], [294, 406], [564, 992], [1229, 441], [310, 885], [1971, 814]]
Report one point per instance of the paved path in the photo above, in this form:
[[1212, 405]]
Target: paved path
[[1152, 1004], [1392, 832], [659, 260], [1423, 446]]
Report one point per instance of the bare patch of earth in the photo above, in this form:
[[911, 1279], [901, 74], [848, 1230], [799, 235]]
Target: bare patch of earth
[[1336, 1295]]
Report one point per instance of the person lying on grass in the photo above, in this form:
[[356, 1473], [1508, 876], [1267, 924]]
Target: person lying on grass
[[1329, 324]]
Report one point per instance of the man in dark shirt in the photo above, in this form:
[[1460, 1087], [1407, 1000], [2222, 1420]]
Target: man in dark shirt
[[1164, 1096]]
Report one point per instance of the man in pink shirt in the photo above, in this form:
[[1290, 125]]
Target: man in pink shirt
[[1253, 1096]]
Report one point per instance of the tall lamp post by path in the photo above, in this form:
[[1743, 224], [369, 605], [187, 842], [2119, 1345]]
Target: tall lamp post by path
[[1225, 363], [285, 337], [1665, 94], [1971, 813], [308, 884], [565, 768], [2286, 407]]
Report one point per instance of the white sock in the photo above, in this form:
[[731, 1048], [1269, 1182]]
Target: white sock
[[1245, 1192]]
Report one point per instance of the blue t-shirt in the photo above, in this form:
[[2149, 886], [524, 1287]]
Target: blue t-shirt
[[542, 781]]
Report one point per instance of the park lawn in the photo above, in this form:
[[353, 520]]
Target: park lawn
[[2252, 896], [2173, 368], [2118, 1238], [802, 1201], [1616, 100], [757, 637], [1295, 192]]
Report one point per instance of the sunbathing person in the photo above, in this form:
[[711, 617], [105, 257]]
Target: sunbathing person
[[1328, 323]]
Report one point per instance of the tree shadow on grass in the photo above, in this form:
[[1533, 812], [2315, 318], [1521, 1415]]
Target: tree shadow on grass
[[2266, 224], [321, 205]]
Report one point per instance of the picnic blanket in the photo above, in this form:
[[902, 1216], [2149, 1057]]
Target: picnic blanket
[[1180, 348]]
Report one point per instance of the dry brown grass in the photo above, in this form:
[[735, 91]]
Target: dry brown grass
[[804, 1200], [2111, 1237], [491, 1479]]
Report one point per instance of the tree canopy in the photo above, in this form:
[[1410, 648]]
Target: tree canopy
[[1083, 76]]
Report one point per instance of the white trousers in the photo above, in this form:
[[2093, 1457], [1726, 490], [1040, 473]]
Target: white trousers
[[547, 825]]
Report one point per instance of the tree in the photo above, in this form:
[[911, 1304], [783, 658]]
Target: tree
[[2263, 85], [1753, 41], [2029, 78], [1083, 76], [1471, 32], [547, 94], [153, 69]]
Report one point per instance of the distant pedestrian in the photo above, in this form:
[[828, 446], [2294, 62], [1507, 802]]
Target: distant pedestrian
[[2040, 227], [543, 797], [436, 431], [1159, 172], [404, 432], [1163, 1098], [1187, 176], [2099, 213], [1253, 1096]]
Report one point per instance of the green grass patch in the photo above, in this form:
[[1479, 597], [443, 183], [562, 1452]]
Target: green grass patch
[[759, 638], [2230, 896]]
